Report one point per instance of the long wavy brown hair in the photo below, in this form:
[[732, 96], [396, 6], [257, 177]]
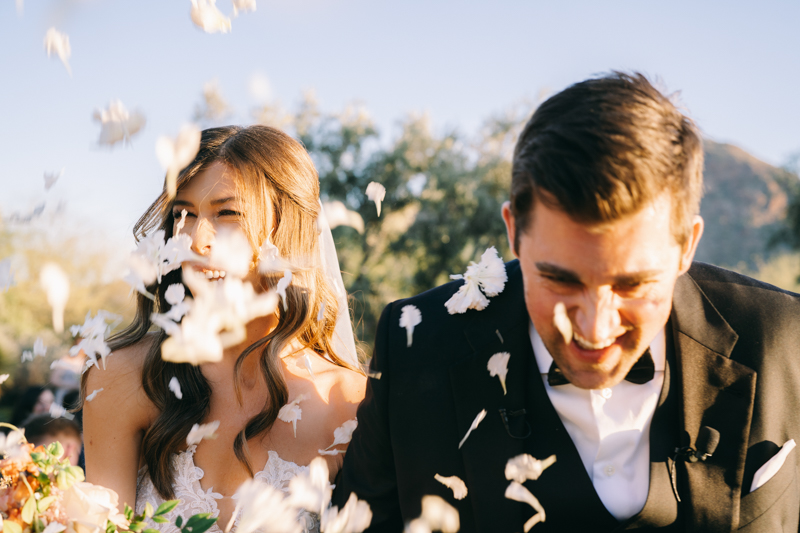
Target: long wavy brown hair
[[273, 169]]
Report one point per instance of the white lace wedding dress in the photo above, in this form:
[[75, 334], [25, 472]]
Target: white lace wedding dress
[[194, 499]]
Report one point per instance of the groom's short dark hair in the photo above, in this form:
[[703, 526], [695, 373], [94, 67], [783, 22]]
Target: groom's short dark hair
[[602, 149]]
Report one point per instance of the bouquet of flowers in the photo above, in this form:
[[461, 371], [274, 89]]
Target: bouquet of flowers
[[42, 493]]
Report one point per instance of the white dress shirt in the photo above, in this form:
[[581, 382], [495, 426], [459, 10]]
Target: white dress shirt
[[610, 429]]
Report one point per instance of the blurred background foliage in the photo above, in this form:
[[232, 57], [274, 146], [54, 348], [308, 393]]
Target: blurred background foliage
[[444, 190]]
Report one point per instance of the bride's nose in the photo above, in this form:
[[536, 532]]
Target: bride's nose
[[203, 235]]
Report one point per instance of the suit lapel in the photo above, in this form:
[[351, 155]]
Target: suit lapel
[[717, 392], [489, 447]]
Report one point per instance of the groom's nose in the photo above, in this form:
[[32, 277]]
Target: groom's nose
[[597, 317]]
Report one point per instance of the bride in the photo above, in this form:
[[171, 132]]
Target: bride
[[262, 182]]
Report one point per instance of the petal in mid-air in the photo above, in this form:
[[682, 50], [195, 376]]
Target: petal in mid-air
[[117, 124], [410, 316], [202, 431], [57, 43], [376, 192], [208, 17], [175, 154]]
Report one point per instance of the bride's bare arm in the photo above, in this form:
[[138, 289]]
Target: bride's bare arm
[[115, 420]]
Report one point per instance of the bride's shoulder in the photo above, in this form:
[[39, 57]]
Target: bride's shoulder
[[349, 385], [118, 379]]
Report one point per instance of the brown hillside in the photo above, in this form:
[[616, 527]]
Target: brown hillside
[[744, 204]]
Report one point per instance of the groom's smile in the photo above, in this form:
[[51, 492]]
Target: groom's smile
[[615, 280]]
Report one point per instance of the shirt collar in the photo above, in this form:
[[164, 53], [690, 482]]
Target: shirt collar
[[658, 349]]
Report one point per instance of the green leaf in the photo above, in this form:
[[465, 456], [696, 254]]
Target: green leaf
[[77, 473], [148, 510], [201, 525], [28, 509], [166, 507], [179, 521], [11, 527], [128, 513], [44, 503], [160, 520], [111, 527], [136, 526], [151, 530]]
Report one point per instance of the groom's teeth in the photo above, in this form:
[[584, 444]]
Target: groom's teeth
[[209, 274], [586, 345]]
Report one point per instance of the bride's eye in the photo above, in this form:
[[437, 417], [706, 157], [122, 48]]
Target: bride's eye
[[177, 215], [229, 213]]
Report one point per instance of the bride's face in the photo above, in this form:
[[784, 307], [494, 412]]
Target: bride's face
[[212, 207]]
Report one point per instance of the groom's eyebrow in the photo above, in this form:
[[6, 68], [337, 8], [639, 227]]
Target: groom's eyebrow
[[569, 276], [562, 273]]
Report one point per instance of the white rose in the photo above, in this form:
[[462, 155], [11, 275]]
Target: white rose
[[89, 507]]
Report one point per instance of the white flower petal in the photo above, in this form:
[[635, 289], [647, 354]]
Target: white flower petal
[[439, 515], [94, 394], [524, 467], [454, 483], [410, 316], [175, 387], [354, 517], [57, 43], [3, 378], [55, 283], [50, 179], [176, 154], [6, 275], [311, 490], [243, 6], [473, 426], [338, 215], [202, 431], [562, 322], [519, 493], [263, 508], [498, 366], [376, 192], [208, 18], [283, 284], [291, 412], [117, 124]]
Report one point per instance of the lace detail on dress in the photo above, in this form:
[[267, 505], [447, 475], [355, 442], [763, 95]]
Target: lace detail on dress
[[194, 499]]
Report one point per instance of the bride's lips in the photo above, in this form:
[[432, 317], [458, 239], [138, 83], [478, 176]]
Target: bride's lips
[[209, 272]]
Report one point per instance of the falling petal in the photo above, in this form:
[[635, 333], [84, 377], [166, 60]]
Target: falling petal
[[175, 154], [244, 6], [331, 452], [208, 18], [291, 412], [27, 356], [58, 411], [410, 316], [181, 222], [311, 489], [499, 336], [519, 493], [232, 253], [117, 124], [263, 508], [50, 178], [492, 273], [283, 284], [307, 363], [354, 517], [214, 108], [39, 349], [321, 314], [524, 467], [55, 283], [440, 515], [3, 378], [562, 322], [202, 431], [94, 394], [58, 43], [498, 366], [478, 420], [175, 387], [343, 433], [454, 483], [376, 192], [269, 258], [338, 215]]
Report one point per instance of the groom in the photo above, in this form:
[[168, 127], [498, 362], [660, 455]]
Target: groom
[[668, 391]]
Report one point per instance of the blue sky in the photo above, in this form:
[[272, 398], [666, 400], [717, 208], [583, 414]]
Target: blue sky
[[737, 65]]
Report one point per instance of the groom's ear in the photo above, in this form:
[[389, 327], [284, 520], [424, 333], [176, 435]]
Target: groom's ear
[[511, 228]]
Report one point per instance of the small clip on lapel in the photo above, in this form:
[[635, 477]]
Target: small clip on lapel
[[505, 415]]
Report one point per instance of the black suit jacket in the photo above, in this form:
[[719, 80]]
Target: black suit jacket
[[734, 366]]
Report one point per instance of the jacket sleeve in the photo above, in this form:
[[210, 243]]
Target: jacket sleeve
[[368, 469]]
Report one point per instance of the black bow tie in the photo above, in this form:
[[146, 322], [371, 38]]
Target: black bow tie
[[642, 372]]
